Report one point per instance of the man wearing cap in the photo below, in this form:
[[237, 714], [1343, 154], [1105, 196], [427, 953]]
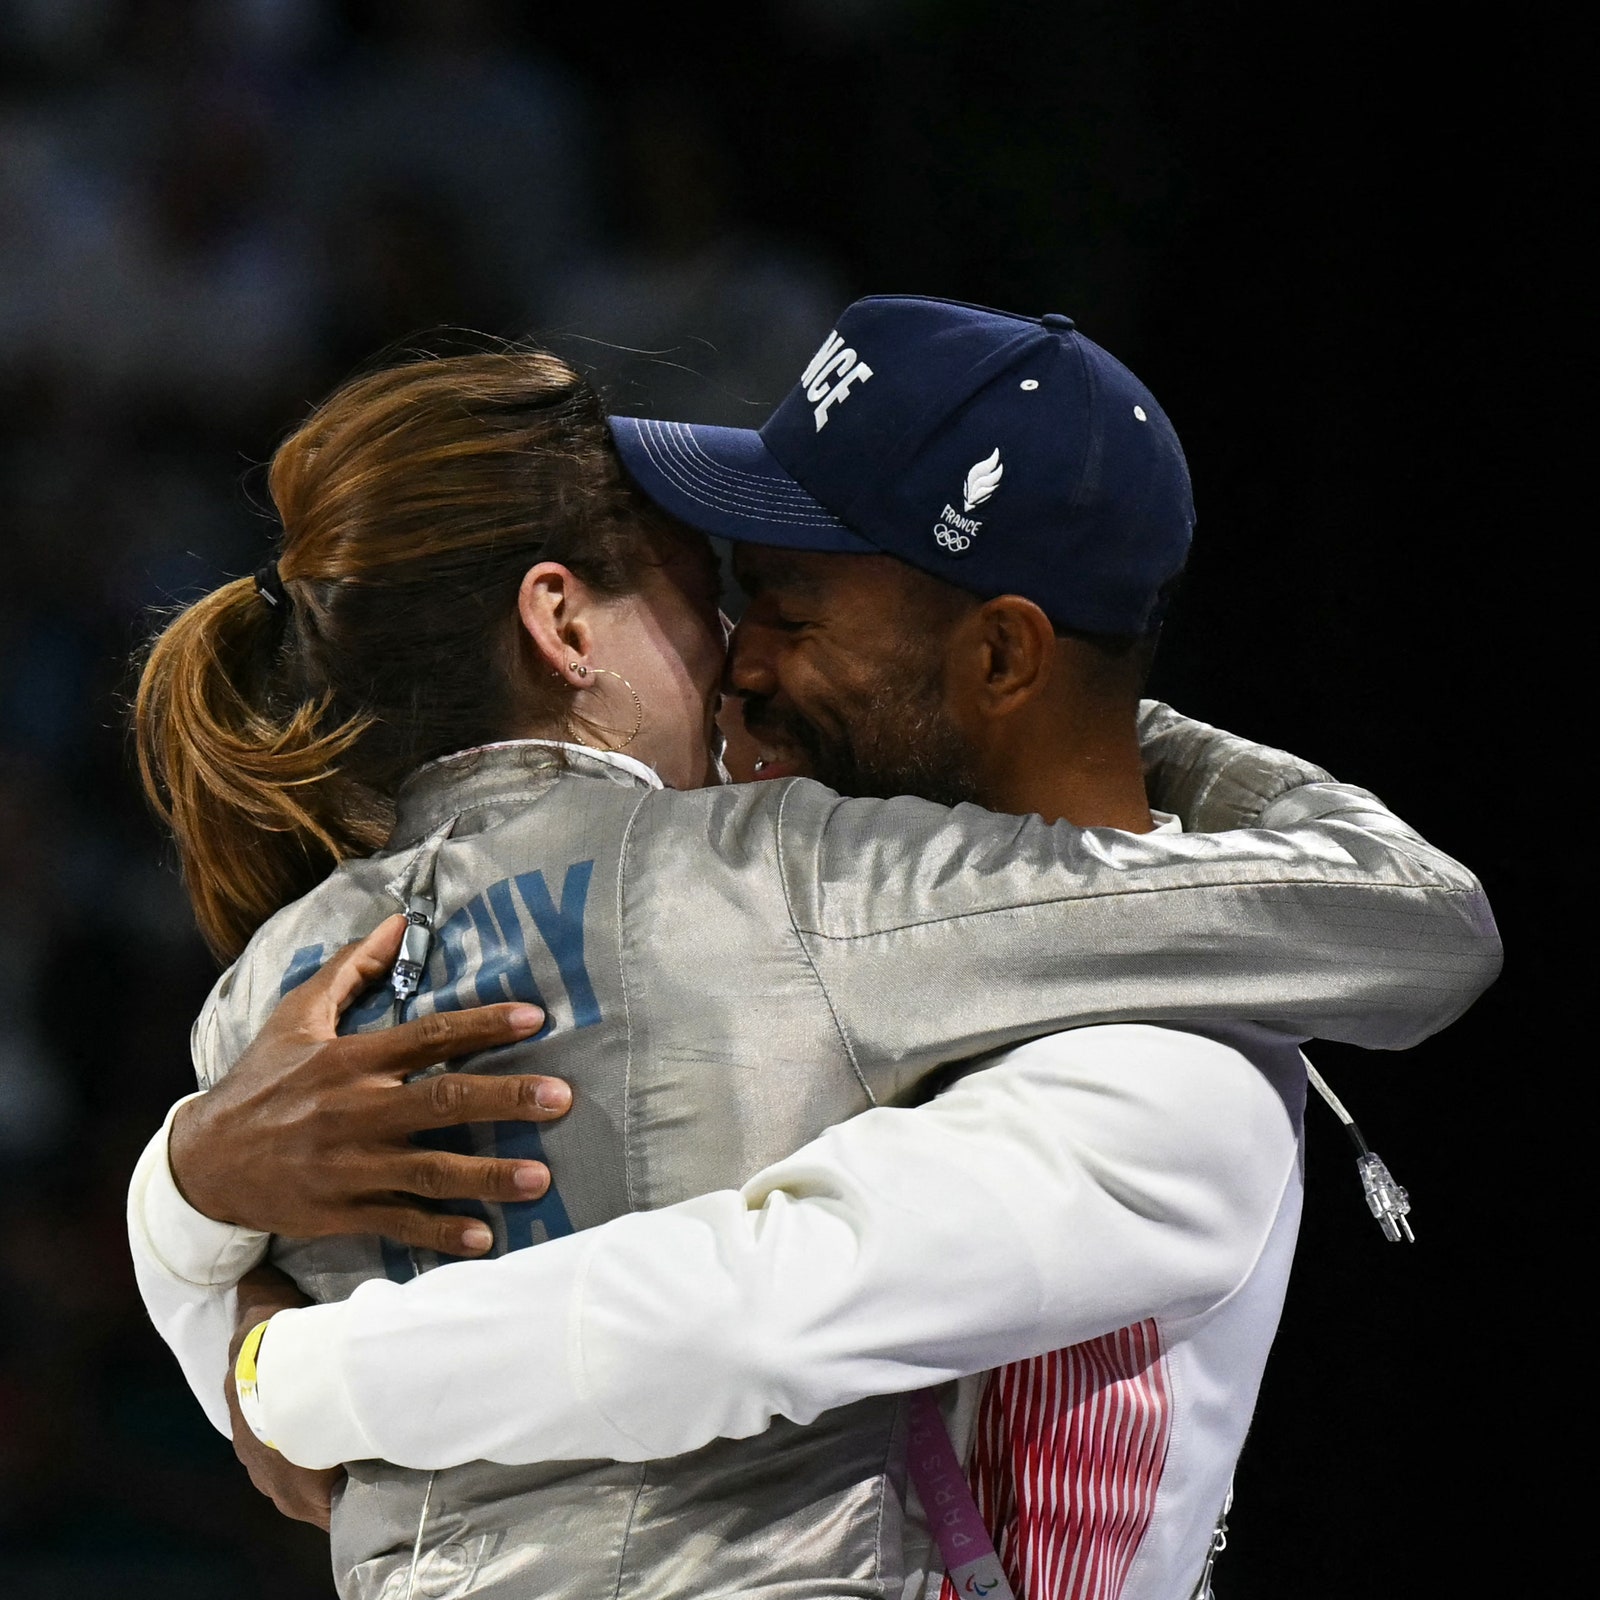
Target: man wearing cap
[[957, 533]]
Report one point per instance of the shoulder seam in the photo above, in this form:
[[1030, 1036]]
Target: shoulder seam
[[1363, 888], [624, 854]]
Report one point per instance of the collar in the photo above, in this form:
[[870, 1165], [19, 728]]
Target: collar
[[609, 758], [491, 774]]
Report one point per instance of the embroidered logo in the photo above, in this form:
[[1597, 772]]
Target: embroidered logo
[[982, 481], [955, 532]]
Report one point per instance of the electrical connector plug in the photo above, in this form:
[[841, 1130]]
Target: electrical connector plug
[[406, 977], [1386, 1200]]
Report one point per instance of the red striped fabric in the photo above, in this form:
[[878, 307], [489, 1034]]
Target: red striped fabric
[[1066, 1462]]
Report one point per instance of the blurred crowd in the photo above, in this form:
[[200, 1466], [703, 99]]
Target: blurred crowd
[[210, 212]]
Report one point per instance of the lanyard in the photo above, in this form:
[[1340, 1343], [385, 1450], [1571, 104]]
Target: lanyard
[[964, 1543]]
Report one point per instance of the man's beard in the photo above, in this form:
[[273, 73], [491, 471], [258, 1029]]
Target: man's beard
[[896, 738]]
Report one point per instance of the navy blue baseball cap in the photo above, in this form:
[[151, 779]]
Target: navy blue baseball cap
[[1004, 454]]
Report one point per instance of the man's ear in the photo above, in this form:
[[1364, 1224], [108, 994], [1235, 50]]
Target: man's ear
[[553, 610], [1016, 645]]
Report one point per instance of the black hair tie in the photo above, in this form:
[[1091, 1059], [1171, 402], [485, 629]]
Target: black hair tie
[[270, 587]]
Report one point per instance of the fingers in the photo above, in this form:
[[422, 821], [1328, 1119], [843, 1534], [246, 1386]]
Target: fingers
[[441, 1036], [317, 1501], [448, 1098], [263, 1292], [324, 996], [265, 1282], [431, 1230], [297, 1492], [438, 1175], [303, 1493]]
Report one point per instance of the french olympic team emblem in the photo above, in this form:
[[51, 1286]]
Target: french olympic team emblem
[[982, 481], [956, 532]]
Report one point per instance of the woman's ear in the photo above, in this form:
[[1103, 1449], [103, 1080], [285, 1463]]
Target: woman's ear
[[553, 609]]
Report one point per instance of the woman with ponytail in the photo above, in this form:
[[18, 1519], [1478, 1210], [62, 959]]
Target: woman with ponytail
[[477, 685], [277, 717]]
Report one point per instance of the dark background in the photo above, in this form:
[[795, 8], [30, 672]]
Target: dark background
[[1322, 237]]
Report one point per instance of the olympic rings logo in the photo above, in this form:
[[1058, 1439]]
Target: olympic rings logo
[[952, 539]]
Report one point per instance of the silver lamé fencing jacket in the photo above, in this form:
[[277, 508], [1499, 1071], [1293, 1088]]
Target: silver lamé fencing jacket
[[728, 972]]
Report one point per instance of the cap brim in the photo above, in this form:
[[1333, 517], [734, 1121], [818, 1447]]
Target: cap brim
[[726, 482]]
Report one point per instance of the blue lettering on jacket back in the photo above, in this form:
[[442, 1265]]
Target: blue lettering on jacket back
[[303, 964], [480, 957]]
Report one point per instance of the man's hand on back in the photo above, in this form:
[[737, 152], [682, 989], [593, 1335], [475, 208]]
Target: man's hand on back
[[309, 1134]]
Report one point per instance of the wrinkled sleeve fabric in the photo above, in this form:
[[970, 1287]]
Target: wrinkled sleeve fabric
[[1327, 918], [1085, 1181]]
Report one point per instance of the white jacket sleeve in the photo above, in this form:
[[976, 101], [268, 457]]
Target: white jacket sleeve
[[186, 1266], [1083, 1182]]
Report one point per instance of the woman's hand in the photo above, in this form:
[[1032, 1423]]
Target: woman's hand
[[298, 1492]]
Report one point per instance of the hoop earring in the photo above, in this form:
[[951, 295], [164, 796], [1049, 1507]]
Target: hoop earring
[[638, 704]]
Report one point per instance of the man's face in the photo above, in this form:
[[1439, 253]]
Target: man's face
[[840, 661]]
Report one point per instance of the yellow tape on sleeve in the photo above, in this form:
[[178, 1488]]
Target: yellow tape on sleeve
[[244, 1381]]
